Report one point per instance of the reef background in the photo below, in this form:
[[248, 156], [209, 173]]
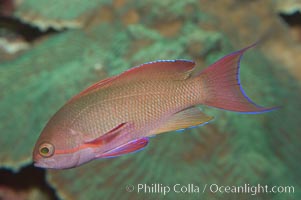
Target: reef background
[[51, 50]]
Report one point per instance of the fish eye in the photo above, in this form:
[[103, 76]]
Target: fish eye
[[46, 149]]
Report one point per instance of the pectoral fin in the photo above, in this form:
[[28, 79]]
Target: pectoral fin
[[109, 136], [129, 147], [184, 119]]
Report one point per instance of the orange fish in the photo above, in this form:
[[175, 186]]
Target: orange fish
[[117, 115]]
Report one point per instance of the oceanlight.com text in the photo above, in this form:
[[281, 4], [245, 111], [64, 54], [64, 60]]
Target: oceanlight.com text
[[250, 189]]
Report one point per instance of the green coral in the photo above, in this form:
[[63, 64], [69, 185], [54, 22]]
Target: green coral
[[44, 77], [56, 14]]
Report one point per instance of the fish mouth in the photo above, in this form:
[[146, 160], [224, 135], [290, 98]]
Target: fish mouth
[[36, 164], [44, 163]]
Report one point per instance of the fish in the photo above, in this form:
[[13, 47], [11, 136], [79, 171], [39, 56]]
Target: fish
[[118, 115]]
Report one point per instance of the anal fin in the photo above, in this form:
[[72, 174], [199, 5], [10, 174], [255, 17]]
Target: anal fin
[[184, 119], [129, 147]]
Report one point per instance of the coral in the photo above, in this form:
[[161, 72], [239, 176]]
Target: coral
[[234, 149], [289, 6], [55, 14]]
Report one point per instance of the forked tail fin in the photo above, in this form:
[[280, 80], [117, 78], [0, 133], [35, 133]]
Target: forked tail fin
[[222, 85]]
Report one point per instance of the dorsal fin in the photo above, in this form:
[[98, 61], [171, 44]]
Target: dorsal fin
[[95, 86], [162, 69]]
